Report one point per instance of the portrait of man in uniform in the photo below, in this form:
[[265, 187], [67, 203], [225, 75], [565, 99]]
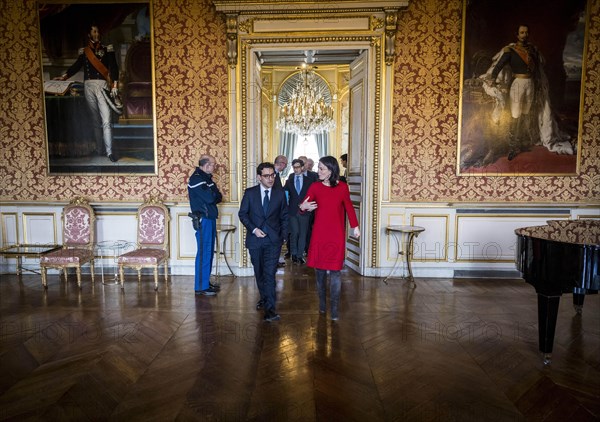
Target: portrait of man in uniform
[[521, 87], [98, 87]]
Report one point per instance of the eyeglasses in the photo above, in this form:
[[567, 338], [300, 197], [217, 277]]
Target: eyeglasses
[[268, 176]]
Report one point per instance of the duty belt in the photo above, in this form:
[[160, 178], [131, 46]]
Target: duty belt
[[522, 75]]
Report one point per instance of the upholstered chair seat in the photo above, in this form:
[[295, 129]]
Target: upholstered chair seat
[[78, 242], [145, 256], [152, 242]]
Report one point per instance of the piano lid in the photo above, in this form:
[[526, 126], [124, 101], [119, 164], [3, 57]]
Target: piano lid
[[583, 232]]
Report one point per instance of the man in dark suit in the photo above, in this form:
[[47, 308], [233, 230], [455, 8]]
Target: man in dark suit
[[264, 213], [312, 175], [296, 186]]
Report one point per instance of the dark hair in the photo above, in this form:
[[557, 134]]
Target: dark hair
[[297, 161], [262, 166], [344, 157], [333, 166], [203, 161]]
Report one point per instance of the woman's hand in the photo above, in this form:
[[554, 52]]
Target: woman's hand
[[356, 232], [308, 206]]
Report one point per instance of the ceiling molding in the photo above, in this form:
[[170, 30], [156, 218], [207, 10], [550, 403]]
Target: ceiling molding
[[303, 6]]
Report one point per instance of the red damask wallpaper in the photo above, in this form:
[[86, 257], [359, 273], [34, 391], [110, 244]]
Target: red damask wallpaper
[[425, 115], [191, 103]]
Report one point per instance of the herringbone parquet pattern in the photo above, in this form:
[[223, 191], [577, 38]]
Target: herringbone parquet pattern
[[463, 350]]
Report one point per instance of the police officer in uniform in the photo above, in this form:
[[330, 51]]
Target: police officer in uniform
[[204, 197], [101, 76]]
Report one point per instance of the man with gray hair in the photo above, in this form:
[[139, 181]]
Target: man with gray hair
[[204, 197], [280, 164]]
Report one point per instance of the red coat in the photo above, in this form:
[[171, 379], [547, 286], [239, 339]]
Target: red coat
[[327, 248]]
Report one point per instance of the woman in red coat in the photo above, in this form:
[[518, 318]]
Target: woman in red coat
[[330, 200]]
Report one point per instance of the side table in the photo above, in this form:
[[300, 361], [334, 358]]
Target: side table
[[410, 232], [112, 249], [220, 247], [20, 251]]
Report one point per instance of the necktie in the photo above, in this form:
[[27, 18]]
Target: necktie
[[266, 201], [298, 185]]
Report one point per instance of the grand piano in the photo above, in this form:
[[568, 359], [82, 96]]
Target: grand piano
[[561, 257]]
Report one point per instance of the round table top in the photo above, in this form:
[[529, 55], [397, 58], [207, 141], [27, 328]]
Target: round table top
[[226, 227], [117, 244], [405, 229]]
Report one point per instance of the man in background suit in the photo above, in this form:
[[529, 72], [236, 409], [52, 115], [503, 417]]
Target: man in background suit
[[312, 175], [280, 164], [296, 186], [264, 213]]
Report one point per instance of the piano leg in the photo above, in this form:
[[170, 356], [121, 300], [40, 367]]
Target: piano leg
[[547, 314], [578, 297]]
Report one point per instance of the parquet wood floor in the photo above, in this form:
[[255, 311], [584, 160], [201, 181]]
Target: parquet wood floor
[[449, 350]]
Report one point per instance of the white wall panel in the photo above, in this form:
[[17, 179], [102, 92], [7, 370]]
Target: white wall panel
[[10, 228], [432, 244], [116, 226], [41, 228], [491, 237]]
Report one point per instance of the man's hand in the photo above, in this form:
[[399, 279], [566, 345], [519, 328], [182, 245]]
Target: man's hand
[[114, 92], [259, 233]]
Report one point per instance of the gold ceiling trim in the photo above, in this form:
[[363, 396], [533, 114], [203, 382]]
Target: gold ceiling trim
[[248, 26], [302, 10], [262, 7]]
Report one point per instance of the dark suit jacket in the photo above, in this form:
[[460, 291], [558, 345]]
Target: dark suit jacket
[[278, 183], [312, 175], [251, 215], [294, 198]]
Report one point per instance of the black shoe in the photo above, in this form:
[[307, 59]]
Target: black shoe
[[259, 305], [280, 264], [512, 154], [301, 261], [113, 158], [214, 287], [287, 255], [294, 259], [271, 316], [207, 292]]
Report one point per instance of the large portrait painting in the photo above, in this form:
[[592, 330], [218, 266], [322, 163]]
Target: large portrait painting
[[98, 73], [521, 87]]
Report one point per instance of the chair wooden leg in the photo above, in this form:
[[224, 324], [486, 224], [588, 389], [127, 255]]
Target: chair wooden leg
[[121, 276], [44, 277], [78, 271], [156, 277], [92, 269], [166, 272]]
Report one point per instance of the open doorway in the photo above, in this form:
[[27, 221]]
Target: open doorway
[[363, 141]]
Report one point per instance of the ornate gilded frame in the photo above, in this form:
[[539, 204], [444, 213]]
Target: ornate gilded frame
[[485, 129], [72, 146]]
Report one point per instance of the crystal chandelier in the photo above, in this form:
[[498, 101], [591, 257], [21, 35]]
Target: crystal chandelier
[[308, 109]]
